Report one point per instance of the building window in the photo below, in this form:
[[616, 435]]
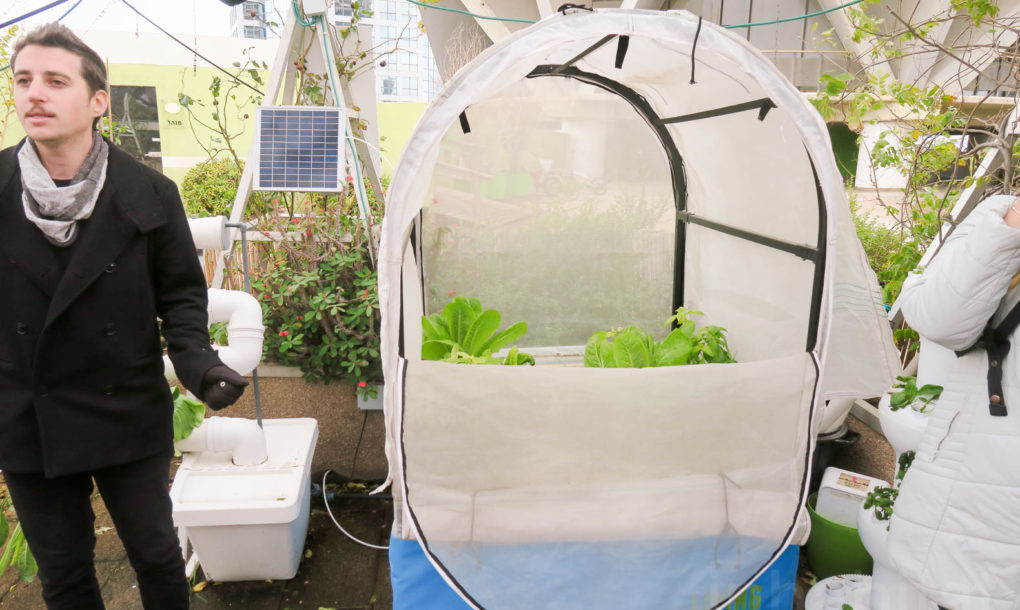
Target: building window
[[408, 86], [406, 59], [384, 9], [136, 111], [345, 8], [254, 10], [251, 31], [389, 86]]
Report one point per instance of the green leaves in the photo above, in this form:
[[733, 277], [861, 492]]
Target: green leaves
[[466, 333], [634, 348], [835, 84], [919, 399], [188, 414], [17, 553], [904, 462], [882, 500]]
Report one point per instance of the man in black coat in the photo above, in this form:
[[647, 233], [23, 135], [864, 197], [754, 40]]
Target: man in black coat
[[94, 251]]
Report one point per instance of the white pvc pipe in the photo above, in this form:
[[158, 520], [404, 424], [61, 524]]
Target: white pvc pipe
[[210, 233], [243, 316], [241, 437], [245, 331]]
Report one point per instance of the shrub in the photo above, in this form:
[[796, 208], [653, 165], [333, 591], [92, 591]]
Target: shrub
[[317, 287], [208, 189]]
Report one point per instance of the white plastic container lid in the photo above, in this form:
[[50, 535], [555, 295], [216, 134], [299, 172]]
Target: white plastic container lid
[[210, 490], [842, 493]]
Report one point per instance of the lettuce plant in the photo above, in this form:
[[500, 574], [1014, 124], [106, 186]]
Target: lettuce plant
[[465, 333], [632, 347], [188, 414]]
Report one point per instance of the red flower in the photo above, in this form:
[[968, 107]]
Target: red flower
[[308, 232], [295, 220], [350, 178], [284, 333], [300, 317], [362, 384], [364, 295], [451, 293]]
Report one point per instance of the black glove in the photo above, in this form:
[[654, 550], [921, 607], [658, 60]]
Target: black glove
[[221, 387]]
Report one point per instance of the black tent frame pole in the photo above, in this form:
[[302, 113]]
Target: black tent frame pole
[[816, 255], [676, 162]]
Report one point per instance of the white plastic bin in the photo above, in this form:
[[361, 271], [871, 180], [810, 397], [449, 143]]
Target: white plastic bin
[[249, 522]]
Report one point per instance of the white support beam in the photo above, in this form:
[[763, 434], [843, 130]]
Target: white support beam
[[495, 30], [546, 7], [918, 56], [841, 22]]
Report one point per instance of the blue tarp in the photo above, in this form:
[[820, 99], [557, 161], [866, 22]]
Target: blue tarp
[[418, 586]]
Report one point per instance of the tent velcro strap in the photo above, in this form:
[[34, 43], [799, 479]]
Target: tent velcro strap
[[694, 48], [621, 50], [995, 342], [464, 125]]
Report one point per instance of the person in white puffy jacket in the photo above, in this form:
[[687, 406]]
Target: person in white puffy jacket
[[955, 531]]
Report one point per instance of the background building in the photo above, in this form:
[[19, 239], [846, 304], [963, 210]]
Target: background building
[[248, 19], [405, 69]]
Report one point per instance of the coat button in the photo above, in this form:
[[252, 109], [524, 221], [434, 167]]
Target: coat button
[[108, 390], [21, 328], [43, 390], [995, 398], [111, 267], [993, 363], [110, 328]]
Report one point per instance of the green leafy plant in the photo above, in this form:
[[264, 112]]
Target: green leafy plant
[[465, 333], [208, 189], [632, 347], [904, 462], [919, 399], [318, 291], [882, 500], [188, 414], [15, 548]]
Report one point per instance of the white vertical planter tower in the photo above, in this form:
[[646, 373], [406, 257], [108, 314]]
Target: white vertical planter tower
[[903, 429]]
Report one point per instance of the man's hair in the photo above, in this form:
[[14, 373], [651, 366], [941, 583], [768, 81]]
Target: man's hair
[[61, 37]]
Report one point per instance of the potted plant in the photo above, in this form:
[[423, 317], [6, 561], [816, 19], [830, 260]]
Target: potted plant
[[903, 414], [888, 588]]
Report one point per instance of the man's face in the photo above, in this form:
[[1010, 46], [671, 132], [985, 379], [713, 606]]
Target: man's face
[[52, 97]]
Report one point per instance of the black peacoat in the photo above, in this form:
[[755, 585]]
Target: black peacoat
[[81, 370]]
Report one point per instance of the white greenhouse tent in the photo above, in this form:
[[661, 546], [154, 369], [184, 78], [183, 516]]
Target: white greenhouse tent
[[596, 170]]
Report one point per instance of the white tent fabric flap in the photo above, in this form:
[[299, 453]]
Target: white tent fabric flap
[[579, 183]]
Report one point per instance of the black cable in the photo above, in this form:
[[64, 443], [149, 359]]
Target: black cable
[[178, 41], [30, 13], [357, 448]]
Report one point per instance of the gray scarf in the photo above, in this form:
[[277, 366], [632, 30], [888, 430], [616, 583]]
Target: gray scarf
[[57, 211]]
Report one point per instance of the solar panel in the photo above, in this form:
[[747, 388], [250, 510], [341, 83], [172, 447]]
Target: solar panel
[[299, 149]]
